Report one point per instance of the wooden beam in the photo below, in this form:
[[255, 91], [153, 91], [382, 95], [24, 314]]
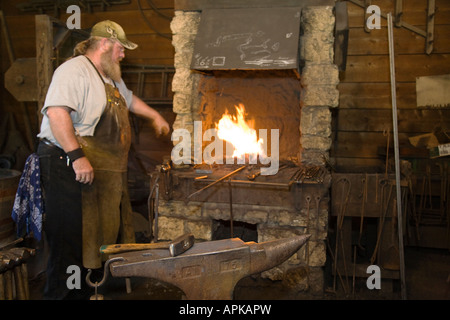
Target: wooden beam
[[341, 32], [430, 26], [198, 5], [44, 53], [398, 13]]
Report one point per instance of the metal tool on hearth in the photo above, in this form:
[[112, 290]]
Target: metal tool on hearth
[[215, 182]]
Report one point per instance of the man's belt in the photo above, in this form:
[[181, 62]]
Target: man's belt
[[49, 143]]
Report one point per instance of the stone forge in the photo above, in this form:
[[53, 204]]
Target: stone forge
[[300, 107]]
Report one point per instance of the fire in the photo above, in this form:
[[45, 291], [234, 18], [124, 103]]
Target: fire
[[240, 133]]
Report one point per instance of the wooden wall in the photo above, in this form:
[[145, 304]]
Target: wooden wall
[[155, 48], [364, 115]]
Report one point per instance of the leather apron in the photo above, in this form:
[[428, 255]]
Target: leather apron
[[106, 207]]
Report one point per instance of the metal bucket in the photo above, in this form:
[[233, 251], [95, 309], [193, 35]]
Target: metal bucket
[[9, 181]]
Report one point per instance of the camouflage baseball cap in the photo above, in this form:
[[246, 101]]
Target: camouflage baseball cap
[[112, 30]]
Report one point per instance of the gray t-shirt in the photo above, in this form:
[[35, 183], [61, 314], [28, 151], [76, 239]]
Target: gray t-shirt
[[77, 85]]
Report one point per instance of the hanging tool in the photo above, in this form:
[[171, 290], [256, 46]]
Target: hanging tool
[[363, 209], [152, 210], [308, 202], [339, 236], [230, 190], [384, 208], [391, 257]]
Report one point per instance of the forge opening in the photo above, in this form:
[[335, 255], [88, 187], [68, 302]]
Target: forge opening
[[271, 100], [242, 230]]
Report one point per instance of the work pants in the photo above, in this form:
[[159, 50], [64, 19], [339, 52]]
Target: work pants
[[62, 223]]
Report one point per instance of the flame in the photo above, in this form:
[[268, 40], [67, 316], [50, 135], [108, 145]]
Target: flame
[[240, 133]]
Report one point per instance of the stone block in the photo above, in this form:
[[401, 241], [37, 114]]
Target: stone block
[[185, 81], [186, 103], [317, 48], [315, 121], [315, 142], [317, 19], [320, 74], [179, 209], [317, 253], [201, 229], [169, 228], [296, 278], [322, 96], [185, 22]]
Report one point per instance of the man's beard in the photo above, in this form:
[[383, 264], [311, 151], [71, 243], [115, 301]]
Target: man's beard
[[110, 68]]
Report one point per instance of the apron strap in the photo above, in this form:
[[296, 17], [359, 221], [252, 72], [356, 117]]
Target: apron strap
[[101, 78]]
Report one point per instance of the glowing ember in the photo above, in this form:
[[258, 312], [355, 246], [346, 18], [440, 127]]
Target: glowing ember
[[240, 134]]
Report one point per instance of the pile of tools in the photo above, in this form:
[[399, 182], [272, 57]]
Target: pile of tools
[[308, 174], [14, 273]]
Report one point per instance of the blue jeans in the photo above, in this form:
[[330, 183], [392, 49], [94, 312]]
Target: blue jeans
[[62, 223]]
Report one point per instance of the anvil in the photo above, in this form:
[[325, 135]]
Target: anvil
[[209, 270]]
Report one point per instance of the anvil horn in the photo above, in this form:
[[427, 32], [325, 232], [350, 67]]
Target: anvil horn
[[266, 255]]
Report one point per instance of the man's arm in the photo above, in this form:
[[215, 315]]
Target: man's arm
[[139, 107], [63, 131]]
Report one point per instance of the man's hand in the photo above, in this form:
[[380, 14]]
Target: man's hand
[[161, 126], [62, 128], [83, 170], [140, 108]]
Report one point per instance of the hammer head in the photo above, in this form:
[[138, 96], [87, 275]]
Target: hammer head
[[23, 253], [181, 244]]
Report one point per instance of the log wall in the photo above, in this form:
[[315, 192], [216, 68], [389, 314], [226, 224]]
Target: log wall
[[364, 116]]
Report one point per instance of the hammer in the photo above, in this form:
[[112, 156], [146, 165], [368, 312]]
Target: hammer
[[24, 254], [6, 264], [18, 277], [176, 247]]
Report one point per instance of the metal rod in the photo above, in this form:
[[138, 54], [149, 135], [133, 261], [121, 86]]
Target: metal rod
[[252, 183], [230, 187], [397, 160], [215, 182]]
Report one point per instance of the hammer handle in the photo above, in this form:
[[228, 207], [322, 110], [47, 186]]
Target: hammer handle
[[118, 248]]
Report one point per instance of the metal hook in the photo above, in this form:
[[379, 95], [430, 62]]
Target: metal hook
[[105, 273]]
